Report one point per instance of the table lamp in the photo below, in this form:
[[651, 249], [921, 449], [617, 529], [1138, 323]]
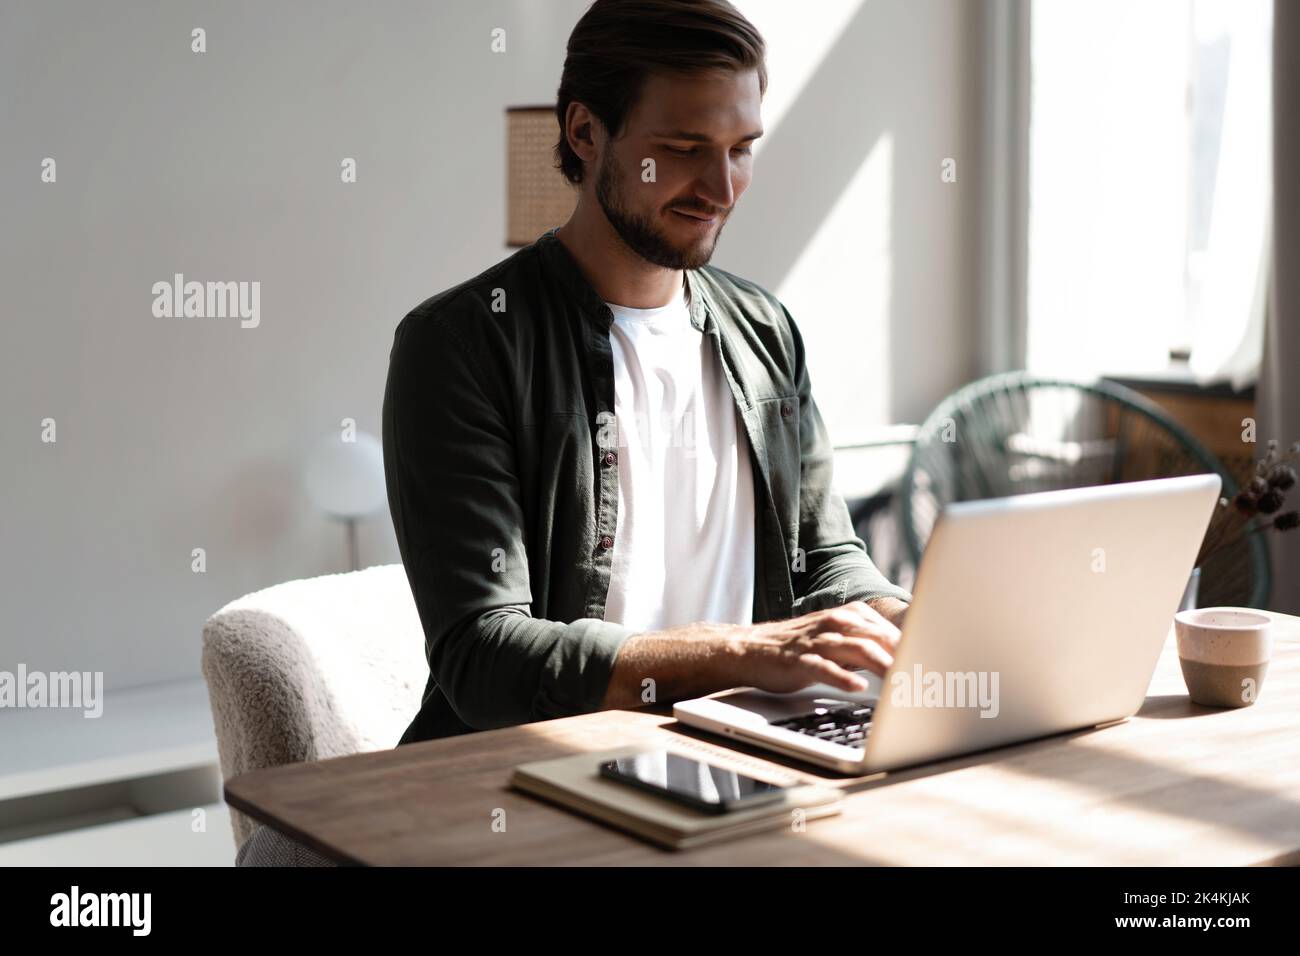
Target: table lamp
[[345, 480]]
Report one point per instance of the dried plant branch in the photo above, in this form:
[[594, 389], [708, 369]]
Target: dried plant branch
[[1263, 497]]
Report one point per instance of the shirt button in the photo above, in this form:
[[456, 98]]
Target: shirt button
[[786, 410], [606, 543], [610, 458]]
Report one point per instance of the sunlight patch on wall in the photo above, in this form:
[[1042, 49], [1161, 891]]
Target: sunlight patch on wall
[[797, 42], [839, 293]]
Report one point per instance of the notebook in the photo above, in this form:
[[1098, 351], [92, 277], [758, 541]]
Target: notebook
[[575, 783]]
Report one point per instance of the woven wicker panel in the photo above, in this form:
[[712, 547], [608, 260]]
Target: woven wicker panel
[[538, 196]]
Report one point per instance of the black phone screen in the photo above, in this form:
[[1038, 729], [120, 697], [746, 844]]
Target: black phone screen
[[691, 781]]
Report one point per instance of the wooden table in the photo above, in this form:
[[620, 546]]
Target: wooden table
[[1178, 784]]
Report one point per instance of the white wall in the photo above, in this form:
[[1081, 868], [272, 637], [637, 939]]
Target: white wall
[[847, 219], [175, 434]]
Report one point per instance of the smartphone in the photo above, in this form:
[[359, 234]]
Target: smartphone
[[691, 782]]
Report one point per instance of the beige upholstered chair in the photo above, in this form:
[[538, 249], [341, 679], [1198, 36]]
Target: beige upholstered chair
[[311, 669]]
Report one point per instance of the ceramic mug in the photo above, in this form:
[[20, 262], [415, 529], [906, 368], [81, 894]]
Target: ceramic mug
[[1224, 653]]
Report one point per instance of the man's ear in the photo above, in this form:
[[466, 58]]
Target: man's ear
[[580, 130]]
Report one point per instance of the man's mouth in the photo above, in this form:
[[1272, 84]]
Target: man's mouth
[[697, 217]]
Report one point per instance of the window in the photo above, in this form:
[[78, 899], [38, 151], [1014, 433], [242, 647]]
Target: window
[[1149, 186]]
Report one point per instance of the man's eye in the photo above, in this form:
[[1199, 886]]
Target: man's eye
[[686, 151]]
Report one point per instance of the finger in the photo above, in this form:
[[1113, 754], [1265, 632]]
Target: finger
[[871, 615], [853, 652], [820, 670], [849, 622], [865, 609]]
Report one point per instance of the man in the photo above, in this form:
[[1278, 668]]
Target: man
[[609, 480]]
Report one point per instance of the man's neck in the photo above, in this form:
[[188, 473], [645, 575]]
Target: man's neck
[[618, 274]]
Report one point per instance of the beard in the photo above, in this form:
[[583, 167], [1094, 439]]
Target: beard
[[639, 231]]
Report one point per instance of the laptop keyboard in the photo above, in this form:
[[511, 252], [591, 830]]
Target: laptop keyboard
[[847, 725]]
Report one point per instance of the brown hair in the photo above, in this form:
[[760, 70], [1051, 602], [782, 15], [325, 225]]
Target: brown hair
[[618, 43]]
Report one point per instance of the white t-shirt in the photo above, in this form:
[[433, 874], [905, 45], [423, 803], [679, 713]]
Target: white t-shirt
[[684, 546]]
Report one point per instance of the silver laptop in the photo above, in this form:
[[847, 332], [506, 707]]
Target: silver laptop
[[1031, 615]]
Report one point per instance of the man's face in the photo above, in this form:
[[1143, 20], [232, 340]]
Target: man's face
[[699, 130]]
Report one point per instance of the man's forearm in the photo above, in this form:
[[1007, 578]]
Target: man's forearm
[[672, 664]]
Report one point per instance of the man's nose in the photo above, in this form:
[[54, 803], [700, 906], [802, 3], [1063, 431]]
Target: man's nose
[[715, 185]]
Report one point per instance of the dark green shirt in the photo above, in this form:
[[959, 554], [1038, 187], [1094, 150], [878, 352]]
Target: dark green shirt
[[500, 456]]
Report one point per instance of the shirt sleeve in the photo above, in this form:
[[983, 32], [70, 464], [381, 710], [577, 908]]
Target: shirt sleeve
[[453, 492], [836, 563]]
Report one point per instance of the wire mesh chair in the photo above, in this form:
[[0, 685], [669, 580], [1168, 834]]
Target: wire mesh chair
[[1017, 433]]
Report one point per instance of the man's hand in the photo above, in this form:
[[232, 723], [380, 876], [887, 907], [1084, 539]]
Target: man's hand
[[692, 660], [819, 647], [891, 609]]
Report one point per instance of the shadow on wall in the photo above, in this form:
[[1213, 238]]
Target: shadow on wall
[[870, 86]]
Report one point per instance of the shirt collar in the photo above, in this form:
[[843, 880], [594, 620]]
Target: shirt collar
[[556, 256]]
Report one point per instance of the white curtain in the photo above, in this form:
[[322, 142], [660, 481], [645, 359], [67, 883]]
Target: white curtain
[[1229, 318]]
